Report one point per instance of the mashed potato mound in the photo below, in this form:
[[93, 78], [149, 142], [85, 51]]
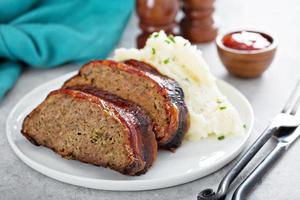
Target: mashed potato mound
[[210, 111]]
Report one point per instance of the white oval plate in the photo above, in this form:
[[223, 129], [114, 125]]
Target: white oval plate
[[191, 161]]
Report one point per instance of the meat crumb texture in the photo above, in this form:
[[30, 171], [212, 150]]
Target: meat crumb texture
[[92, 126]]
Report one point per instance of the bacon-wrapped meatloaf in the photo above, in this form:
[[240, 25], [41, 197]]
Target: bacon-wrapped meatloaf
[[160, 96], [96, 127]]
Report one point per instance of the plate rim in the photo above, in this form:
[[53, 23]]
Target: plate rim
[[125, 185]]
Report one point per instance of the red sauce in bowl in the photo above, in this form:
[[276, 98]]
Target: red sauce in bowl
[[246, 40]]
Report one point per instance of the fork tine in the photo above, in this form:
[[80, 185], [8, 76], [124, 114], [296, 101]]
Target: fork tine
[[291, 98], [296, 106]]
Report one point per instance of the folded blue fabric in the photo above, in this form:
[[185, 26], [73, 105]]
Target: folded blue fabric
[[47, 33]]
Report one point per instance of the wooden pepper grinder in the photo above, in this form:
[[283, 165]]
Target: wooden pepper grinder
[[155, 15], [198, 25]]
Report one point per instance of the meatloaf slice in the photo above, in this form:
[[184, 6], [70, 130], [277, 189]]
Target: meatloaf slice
[[142, 84], [95, 127]]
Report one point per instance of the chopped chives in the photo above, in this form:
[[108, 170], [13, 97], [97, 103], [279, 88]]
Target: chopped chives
[[171, 37], [167, 41], [222, 107], [221, 137], [153, 51], [155, 35], [166, 61]]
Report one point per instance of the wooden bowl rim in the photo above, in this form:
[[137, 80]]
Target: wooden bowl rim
[[272, 47]]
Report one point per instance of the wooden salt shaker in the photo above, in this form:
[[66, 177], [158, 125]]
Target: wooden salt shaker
[[198, 25], [155, 15]]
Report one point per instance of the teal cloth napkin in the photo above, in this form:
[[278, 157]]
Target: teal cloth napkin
[[47, 33]]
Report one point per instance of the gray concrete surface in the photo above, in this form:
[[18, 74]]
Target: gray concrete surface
[[266, 94]]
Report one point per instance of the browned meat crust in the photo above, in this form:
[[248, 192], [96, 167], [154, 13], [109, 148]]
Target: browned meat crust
[[139, 142], [170, 134], [176, 107]]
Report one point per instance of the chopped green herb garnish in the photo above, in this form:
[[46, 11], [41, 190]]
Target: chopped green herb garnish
[[221, 137], [222, 107], [171, 37], [245, 126], [219, 101], [167, 41], [185, 44], [166, 61], [153, 51], [155, 35]]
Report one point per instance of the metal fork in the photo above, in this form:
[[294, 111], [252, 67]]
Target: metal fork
[[284, 139], [283, 121], [283, 143]]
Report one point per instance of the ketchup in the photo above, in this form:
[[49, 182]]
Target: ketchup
[[246, 40]]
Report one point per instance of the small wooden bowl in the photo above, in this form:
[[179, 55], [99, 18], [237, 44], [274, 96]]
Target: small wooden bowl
[[246, 63]]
